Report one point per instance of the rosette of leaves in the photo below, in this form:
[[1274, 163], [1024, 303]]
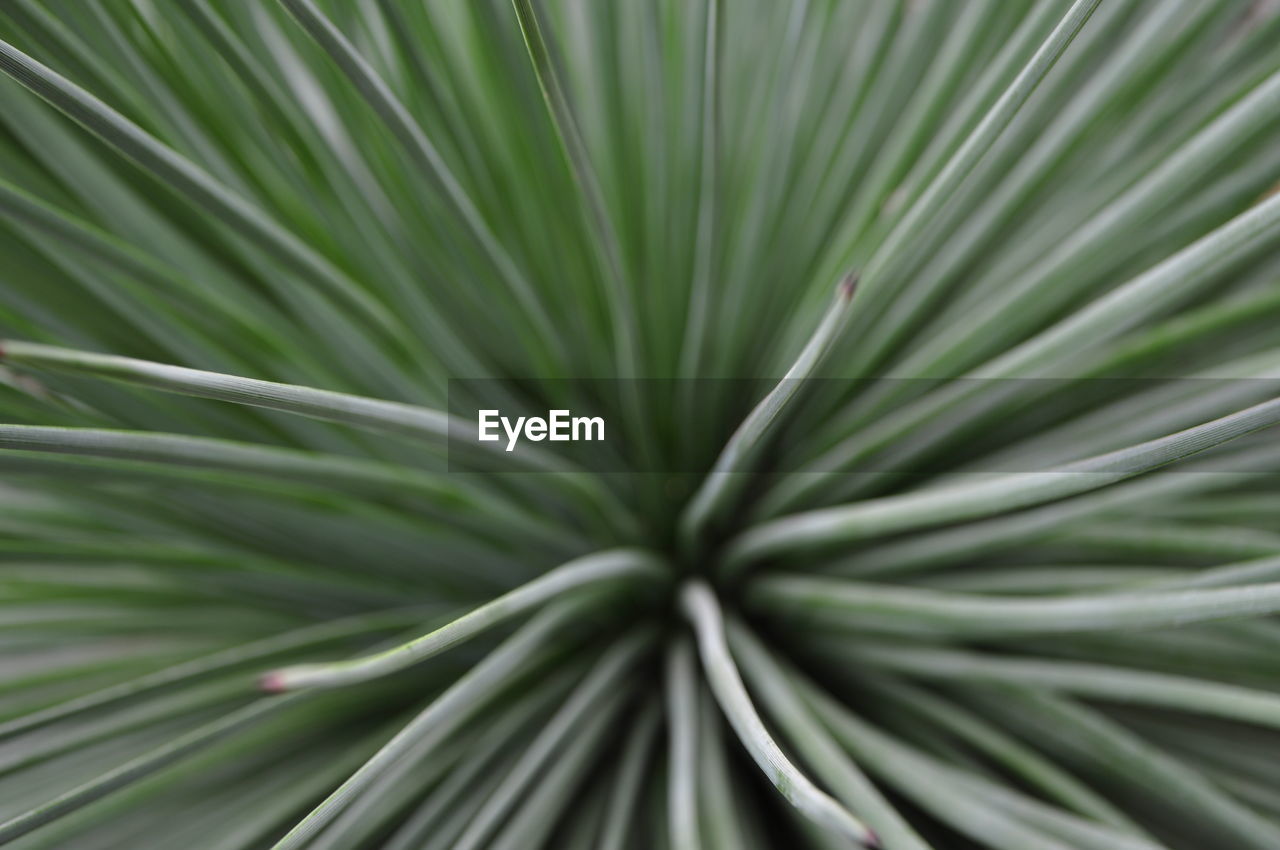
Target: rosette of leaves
[[991, 560]]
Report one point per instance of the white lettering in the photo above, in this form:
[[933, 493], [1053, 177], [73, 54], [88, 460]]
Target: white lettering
[[513, 434], [588, 423], [559, 426], [486, 424]]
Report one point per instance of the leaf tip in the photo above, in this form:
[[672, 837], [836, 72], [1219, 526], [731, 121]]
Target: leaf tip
[[848, 286], [274, 682]]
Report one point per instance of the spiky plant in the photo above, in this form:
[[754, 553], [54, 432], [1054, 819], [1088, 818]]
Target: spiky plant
[[1016, 592]]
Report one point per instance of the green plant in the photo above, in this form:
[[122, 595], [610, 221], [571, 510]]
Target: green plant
[[1018, 605]]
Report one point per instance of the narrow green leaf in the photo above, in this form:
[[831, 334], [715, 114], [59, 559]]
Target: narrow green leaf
[[595, 569], [681, 693], [726, 479], [388, 416], [549, 802], [693, 346], [138, 768], [998, 494], [980, 139], [222, 660], [699, 605], [388, 107], [1113, 684], [1088, 736], [570, 137], [413, 421], [817, 746], [595, 702], [226, 455], [920, 778], [625, 795], [1018, 758], [197, 184], [837, 603], [463, 699]]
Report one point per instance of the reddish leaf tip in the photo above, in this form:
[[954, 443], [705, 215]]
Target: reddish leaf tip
[[272, 683], [849, 285]]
